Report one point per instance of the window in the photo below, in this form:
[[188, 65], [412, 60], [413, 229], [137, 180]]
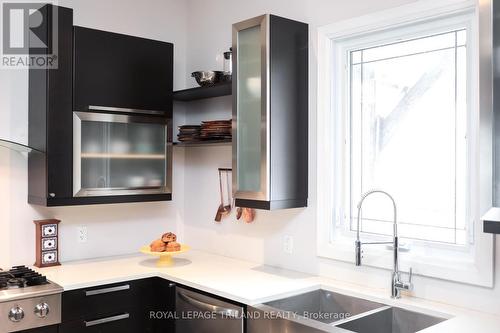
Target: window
[[398, 111], [408, 136]]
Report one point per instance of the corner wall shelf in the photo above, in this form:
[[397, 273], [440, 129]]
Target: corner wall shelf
[[192, 94], [203, 143]]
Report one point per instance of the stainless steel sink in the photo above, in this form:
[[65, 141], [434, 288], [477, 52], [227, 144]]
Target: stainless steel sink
[[325, 311], [324, 306], [391, 320]]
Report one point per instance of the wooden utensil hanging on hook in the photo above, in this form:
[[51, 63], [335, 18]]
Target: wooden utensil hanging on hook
[[220, 210], [223, 210], [248, 215]]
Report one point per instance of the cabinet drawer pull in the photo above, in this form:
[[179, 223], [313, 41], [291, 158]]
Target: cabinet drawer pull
[[106, 320], [107, 290]]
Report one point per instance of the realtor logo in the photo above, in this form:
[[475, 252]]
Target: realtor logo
[[29, 35]]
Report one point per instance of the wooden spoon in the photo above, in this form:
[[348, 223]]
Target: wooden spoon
[[220, 210], [248, 215], [218, 215]]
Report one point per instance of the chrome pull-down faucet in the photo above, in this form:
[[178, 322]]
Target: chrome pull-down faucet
[[396, 283]]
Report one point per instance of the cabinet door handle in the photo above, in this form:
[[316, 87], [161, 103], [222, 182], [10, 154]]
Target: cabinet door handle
[[106, 320], [125, 110], [107, 290], [209, 307]]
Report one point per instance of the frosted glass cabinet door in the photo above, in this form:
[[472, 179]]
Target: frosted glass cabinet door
[[250, 115], [119, 156], [249, 112]]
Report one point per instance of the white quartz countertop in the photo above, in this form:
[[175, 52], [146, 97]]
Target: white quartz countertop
[[241, 281], [250, 283]]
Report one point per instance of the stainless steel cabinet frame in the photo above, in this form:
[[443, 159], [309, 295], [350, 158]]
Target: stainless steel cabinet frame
[[116, 160], [270, 113]]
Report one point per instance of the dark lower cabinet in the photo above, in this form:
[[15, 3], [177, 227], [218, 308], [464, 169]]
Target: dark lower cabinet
[[127, 307], [164, 305], [140, 306]]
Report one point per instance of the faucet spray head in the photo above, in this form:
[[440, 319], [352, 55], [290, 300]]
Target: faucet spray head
[[358, 252]]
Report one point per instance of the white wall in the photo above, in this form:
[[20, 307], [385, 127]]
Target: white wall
[[112, 229], [209, 35], [200, 30], [4, 210]]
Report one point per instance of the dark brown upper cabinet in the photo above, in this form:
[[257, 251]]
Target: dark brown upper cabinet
[[101, 121], [115, 72], [50, 114], [270, 113]]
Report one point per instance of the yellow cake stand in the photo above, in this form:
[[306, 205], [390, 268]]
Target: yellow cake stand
[[165, 258]]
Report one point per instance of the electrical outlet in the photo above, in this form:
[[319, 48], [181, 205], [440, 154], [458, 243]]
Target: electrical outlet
[[82, 234], [288, 244]]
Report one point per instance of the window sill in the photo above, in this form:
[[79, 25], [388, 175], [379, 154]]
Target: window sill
[[430, 262]]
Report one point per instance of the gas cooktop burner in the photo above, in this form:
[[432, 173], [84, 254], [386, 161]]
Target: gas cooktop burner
[[21, 277], [28, 300], [16, 283]]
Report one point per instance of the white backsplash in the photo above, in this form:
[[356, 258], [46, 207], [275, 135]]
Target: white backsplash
[[200, 30]]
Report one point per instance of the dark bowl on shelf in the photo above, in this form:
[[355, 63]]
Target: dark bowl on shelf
[[227, 77], [208, 78]]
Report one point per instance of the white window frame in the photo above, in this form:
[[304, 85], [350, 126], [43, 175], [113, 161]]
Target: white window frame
[[342, 50], [472, 264]]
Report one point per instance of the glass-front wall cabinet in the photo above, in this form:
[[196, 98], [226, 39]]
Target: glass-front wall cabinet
[[270, 113], [250, 137], [120, 155]]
